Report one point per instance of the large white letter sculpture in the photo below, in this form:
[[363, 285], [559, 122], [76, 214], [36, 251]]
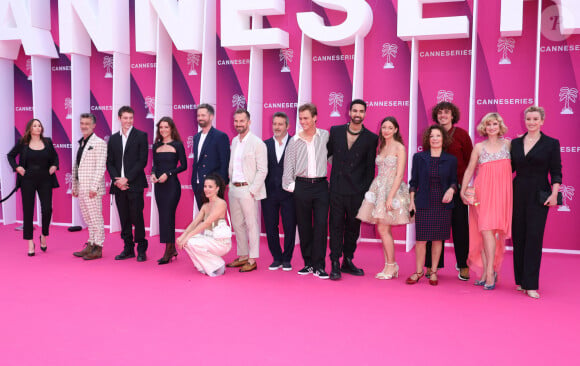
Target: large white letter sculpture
[[411, 26], [158, 23], [27, 24], [358, 22], [106, 23], [237, 34]]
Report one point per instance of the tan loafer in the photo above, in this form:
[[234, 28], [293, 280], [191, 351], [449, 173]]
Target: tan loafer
[[237, 263], [249, 267]]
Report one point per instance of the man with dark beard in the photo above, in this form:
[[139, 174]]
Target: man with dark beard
[[353, 150]]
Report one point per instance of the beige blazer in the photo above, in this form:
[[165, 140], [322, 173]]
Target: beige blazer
[[254, 164], [91, 170]]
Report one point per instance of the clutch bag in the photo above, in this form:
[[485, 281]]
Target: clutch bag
[[543, 196]]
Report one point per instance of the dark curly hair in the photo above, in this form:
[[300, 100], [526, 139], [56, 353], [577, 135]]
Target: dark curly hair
[[219, 182], [446, 106], [427, 135]]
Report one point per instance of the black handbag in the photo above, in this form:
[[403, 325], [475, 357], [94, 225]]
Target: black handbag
[[543, 196]]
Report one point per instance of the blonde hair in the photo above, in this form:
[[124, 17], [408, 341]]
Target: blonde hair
[[491, 117], [535, 108]]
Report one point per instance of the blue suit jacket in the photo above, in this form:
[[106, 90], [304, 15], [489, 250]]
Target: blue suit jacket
[[214, 157], [419, 182]]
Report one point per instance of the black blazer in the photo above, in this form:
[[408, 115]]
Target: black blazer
[[20, 149], [134, 160], [532, 169], [352, 170], [273, 180], [214, 157], [419, 182]]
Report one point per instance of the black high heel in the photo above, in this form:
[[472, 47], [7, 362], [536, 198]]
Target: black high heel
[[31, 254], [43, 248], [170, 253]]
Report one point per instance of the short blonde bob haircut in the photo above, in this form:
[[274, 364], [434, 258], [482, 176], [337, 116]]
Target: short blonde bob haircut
[[490, 117]]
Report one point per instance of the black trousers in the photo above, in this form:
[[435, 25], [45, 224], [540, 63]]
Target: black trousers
[[130, 206], [528, 224], [198, 193], [311, 201], [29, 186], [460, 232], [344, 227], [272, 208]]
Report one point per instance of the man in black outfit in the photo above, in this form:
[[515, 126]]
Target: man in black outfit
[[127, 153], [278, 201], [353, 149]]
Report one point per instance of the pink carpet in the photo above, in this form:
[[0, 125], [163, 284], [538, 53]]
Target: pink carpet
[[60, 310]]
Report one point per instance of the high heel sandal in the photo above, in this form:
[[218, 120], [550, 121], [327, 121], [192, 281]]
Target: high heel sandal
[[43, 248], [492, 286], [412, 281], [170, 253], [388, 276], [532, 293], [433, 282]]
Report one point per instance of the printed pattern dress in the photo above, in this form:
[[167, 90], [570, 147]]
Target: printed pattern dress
[[373, 209], [493, 205]]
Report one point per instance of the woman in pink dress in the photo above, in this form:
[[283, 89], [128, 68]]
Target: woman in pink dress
[[490, 214], [387, 201], [198, 240]]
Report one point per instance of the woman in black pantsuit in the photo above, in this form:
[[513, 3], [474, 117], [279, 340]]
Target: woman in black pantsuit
[[36, 167], [168, 151], [534, 156]]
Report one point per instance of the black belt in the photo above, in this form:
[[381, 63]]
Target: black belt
[[310, 180]]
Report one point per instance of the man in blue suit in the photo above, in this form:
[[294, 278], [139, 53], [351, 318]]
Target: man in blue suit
[[211, 152], [278, 200]]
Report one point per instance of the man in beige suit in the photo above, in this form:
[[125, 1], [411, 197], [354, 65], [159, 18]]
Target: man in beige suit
[[247, 170], [89, 185]]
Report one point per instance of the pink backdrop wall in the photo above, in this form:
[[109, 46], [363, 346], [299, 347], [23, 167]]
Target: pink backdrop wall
[[504, 83]]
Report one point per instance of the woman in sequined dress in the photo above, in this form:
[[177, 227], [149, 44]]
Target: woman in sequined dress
[[387, 201]]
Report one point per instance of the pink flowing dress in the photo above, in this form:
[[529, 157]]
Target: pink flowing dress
[[493, 208]]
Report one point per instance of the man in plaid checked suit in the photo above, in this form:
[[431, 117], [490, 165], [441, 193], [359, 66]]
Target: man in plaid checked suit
[[89, 185]]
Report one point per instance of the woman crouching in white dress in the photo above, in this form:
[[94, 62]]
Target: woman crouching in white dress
[[208, 238]]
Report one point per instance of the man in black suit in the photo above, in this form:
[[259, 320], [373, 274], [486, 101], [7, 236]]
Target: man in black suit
[[278, 200], [127, 153], [211, 152], [353, 150]]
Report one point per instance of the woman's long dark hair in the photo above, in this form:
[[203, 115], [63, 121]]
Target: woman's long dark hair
[[397, 136], [174, 133], [219, 182], [27, 134]]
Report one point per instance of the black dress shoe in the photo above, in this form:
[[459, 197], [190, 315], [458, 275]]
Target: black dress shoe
[[350, 268], [335, 272], [125, 255], [141, 257]]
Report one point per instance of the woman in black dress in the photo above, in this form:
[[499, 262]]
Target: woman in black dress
[[36, 167], [168, 151], [432, 186], [534, 156]]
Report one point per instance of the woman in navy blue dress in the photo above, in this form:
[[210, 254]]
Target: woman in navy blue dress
[[432, 185], [168, 160]]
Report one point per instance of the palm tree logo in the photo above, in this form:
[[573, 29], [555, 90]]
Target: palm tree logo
[[444, 96], [238, 101], [150, 105], [389, 50], [567, 194], [108, 65], [192, 61], [68, 182], [286, 56], [335, 100], [29, 68], [505, 46], [190, 146], [568, 95], [68, 107]]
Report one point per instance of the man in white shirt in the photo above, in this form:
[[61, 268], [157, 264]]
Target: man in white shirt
[[247, 171]]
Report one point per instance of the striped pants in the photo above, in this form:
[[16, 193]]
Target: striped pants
[[92, 211]]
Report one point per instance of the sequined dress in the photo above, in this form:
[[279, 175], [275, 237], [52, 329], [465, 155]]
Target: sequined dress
[[373, 209]]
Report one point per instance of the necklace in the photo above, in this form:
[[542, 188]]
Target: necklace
[[351, 131], [532, 140]]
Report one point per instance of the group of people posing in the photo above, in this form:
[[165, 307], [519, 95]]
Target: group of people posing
[[288, 175]]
